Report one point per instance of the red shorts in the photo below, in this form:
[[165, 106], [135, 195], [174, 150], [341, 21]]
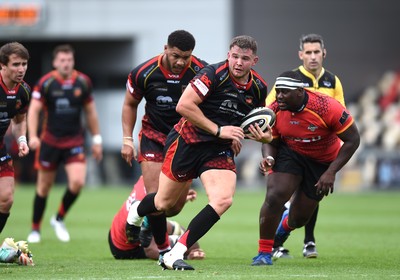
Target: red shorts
[[184, 162], [6, 166]]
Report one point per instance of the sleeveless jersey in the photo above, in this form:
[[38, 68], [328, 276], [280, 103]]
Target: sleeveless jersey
[[313, 131], [161, 90], [63, 102], [12, 102], [225, 101]]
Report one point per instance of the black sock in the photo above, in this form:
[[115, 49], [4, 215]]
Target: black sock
[[3, 220], [310, 226], [66, 203], [159, 229], [147, 205], [39, 205], [201, 224]]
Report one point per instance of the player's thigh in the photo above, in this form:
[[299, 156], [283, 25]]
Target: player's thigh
[[220, 185], [168, 193], [301, 209], [6, 193], [45, 180], [151, 175], [76, 174]]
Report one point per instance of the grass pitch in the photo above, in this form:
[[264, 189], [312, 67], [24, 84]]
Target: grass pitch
[[357, 238]]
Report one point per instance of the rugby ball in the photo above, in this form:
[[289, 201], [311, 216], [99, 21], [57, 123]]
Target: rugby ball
[[262, 116]]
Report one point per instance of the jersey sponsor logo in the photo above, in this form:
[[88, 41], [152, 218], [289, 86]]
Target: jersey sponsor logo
[[305, 140], [57, 93], [149, 155], [173, 76], [344, 117], [173, 81], [3, 104], [327, 84], [11, 96], [164, 101], [205, 80], [201, 86], [312, 127], [77, 92]]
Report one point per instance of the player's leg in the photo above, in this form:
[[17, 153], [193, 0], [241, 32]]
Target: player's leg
[[220, 187], [6, 199], [310, 249], [45, 180], [280, 187], [76, 175]]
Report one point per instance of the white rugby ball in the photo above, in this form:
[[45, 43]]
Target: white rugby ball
[[261, 116]]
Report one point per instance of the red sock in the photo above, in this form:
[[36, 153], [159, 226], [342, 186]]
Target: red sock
[[285, 224], [265, 245]]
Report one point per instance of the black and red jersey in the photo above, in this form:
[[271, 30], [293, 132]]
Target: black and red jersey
[[161, 90], [12, 102], [225, 101], [63, 101], [313, 131]]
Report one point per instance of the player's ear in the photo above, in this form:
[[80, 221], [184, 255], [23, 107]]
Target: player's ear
[[324, 53], [300, 55]]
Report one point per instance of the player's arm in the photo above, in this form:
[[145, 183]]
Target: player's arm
[[268, 151], [19, 131], [188, 107], [351, 141], [94, 128], [129, 116], [35, 107]]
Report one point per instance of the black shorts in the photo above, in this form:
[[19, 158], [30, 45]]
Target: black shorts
[[184, 162], [137, 253], [288, 161], [50, 157], [150, 150]]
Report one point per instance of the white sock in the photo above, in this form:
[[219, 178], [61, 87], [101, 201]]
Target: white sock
[[133, 216]]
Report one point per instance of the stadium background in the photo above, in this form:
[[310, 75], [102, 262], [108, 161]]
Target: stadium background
[[111, 37]]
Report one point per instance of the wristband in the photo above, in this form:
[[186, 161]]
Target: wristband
[[270, 159], [22, 139], [218, 131], [97, 139], [128, 140]]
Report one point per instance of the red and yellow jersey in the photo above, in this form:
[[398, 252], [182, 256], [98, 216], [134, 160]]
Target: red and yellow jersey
[[313, 131], [117, 230]]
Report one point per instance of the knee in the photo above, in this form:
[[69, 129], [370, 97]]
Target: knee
[[6, 203], [221, 205]]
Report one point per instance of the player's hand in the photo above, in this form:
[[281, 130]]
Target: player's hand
[[236, 147], [97, 152], [266, 165], [34, 142], [231, 132], [23, 149], [128, 153], [192, 194], [325, 184], [259, 135]]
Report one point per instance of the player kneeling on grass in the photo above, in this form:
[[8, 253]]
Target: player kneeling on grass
[[122, 248], [15, 252]]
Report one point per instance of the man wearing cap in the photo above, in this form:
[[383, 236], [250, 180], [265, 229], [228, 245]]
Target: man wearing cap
[[303, 158]]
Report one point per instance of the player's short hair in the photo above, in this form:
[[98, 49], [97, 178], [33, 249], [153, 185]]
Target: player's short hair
[[65, 48], [244, 42], [311, 38], [12, 48], [181, 39]]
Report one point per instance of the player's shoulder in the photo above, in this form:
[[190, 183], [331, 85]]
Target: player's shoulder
[[196, 61]]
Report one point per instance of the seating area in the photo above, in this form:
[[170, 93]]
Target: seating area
[[377, 112]]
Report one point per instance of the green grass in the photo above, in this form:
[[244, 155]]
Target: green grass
[[357, 237]]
